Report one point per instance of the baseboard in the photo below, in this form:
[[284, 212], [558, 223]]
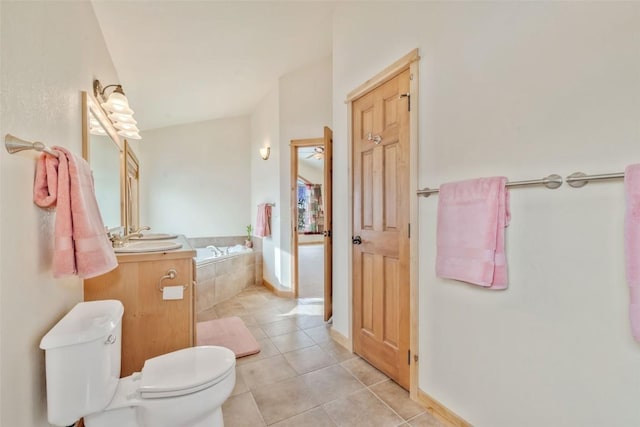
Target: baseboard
[[276, 290], [340, 339], [441, 412]]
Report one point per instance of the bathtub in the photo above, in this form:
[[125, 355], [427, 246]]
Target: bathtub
[[221, 273], [218, 253]]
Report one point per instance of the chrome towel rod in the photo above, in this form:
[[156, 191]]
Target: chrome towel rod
[[579, 179], [14, 144], [552, 181]]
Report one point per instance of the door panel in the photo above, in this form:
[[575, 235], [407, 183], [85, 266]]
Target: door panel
[[328, 223], [381, 219]]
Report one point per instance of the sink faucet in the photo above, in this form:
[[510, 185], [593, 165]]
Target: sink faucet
[[118, 240], [216, 251], [141, 228]]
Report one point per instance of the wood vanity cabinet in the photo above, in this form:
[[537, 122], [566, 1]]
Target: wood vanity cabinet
[[151, 325]]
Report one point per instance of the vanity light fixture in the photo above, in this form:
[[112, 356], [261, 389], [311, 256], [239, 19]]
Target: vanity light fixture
[[117, 108], [265, 152]]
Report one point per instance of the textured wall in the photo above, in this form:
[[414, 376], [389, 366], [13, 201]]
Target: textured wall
[[50, 52]]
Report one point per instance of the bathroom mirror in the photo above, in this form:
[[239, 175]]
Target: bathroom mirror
[[131, 177], [104, 150]]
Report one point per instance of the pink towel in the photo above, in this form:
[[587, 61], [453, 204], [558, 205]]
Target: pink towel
[[81, 245], [263, 227], [632, 245], [472, 216]]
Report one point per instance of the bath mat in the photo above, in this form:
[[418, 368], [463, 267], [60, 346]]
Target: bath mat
[[229, 332]]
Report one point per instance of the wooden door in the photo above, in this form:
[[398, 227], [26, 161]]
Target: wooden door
[[381, 308], [328, 223]]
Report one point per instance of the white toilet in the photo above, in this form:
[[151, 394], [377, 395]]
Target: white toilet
[[185, 388]]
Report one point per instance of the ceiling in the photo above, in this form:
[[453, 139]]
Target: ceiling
[[186, 61]]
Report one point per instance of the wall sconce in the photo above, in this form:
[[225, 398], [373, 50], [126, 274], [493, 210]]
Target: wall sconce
[[265, 152], [117, 108]]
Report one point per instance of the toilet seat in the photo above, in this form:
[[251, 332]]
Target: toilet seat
[[185, 371]]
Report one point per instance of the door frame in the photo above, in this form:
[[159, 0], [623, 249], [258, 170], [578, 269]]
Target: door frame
[[408, 61], [294, 145]]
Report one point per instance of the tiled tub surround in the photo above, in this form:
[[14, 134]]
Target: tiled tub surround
[[220, 279]]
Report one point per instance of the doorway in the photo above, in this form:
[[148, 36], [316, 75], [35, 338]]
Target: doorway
[[311, 242]]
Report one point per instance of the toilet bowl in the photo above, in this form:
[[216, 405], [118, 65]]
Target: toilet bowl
[[184, 388]]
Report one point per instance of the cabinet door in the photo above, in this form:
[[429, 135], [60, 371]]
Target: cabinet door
[[151, 326]]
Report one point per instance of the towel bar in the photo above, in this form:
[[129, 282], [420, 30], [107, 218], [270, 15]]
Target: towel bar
[[552, 181], [14, 145], [579, 179]]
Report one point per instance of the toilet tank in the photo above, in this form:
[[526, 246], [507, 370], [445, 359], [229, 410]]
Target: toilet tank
[[82, 360]]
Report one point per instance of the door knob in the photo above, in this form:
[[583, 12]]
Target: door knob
[[356, 240]]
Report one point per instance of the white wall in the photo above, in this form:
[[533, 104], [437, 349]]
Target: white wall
[[50, 52], [521, 90], [195, 179], [265, 132]]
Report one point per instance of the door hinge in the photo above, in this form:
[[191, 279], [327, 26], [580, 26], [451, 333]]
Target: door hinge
[[408, 357], [408, 96], [409, 230]]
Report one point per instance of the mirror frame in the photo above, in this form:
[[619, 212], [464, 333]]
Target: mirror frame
[[91, 106], [131, 167]]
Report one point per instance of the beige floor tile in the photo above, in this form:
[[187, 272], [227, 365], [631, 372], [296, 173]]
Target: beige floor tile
[[397, 398], [313, 418], [283, 400], [266, 371], [361, 409], [309, 359], [241, 411], [319, 334], [267, 349], [425, 420], [331, 383], [292, 341], [248, 320], [363, 371], [337, 351], [241, 386], [280, 327], [267, 315], [208, 314], [307, 321], [253, 302], [257, 332], [225, 309], [285, 305]]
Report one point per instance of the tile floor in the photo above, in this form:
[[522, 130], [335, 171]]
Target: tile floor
[[301, 377]]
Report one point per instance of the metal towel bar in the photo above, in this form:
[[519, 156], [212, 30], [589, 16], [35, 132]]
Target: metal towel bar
[[552, 181]]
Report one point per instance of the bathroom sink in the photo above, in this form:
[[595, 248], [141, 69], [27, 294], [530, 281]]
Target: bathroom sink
[[155, 236], [148, 246]]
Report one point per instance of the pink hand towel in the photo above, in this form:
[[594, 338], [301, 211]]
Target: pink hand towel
[[632, 244], [263, 227], [472, 216], [81, 245]]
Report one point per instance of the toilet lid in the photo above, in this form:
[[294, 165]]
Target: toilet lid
[[185, 371]]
